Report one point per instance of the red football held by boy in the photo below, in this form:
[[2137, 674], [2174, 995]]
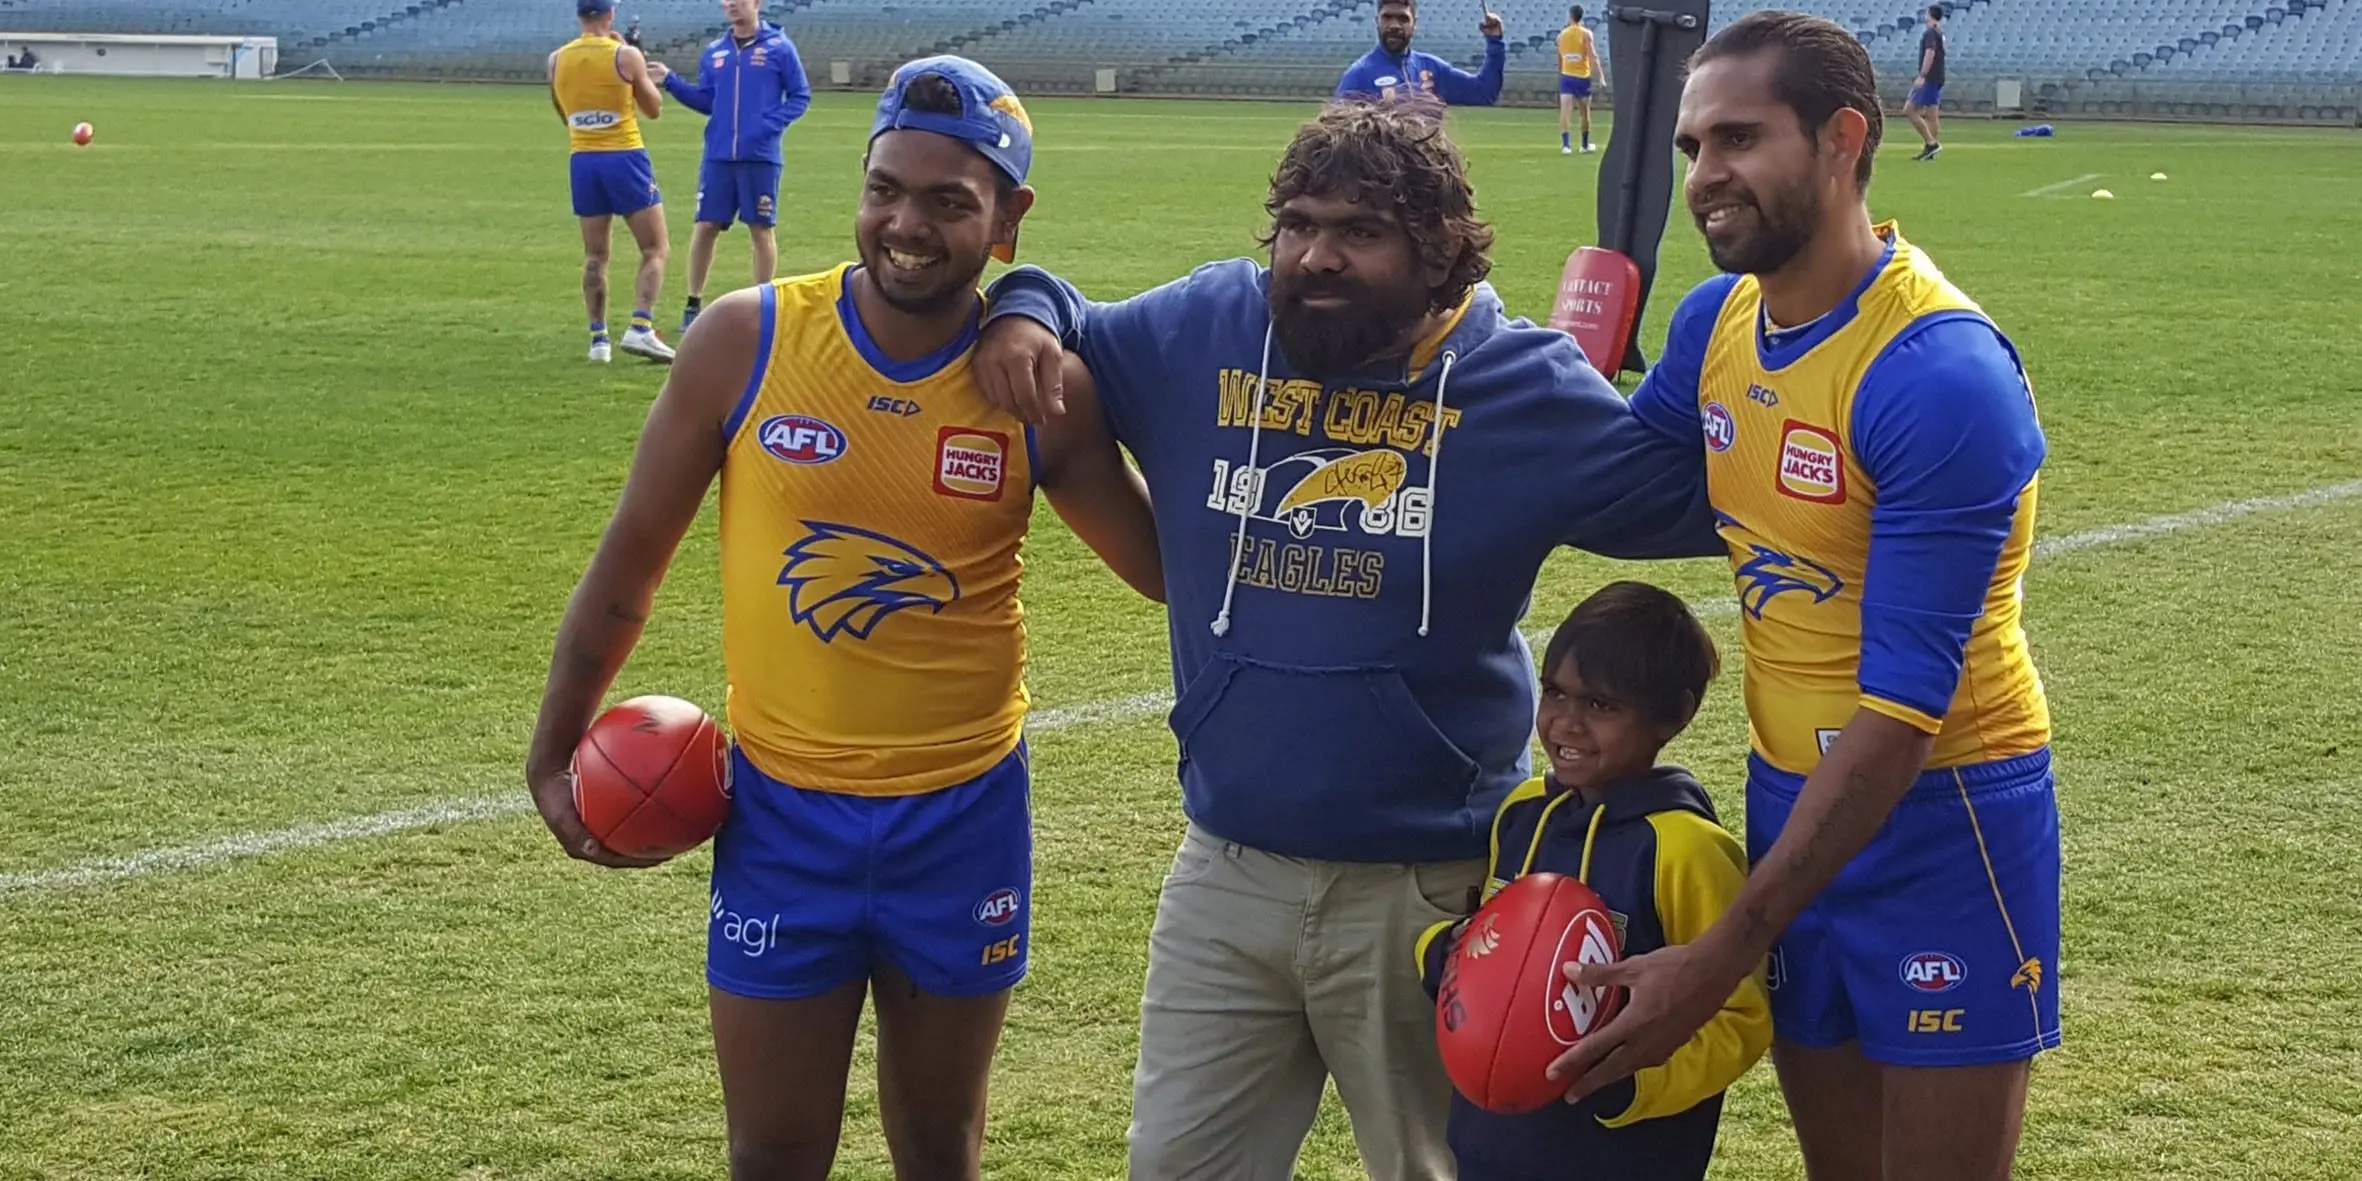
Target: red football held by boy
[[1505, 1010], [651, 777]]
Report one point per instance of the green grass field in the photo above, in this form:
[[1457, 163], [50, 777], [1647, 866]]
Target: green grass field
[[299, 459]]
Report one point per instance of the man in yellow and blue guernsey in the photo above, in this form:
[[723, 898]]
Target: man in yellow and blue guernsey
[[1871, 449], [1578, 60], [602, 89], [872, 509]]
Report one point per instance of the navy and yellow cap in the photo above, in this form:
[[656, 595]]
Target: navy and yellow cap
[[991, 119], [593, 7]]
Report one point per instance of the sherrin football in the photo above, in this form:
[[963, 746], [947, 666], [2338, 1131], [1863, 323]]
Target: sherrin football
[[1505, 1009]]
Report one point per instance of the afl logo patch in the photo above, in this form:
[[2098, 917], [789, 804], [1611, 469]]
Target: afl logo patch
[[970, 464], [998, 907], [799, 438], [1933, 971], [1721, 429]]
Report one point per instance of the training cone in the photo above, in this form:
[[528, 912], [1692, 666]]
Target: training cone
[[2156, 176], [2102, 195]]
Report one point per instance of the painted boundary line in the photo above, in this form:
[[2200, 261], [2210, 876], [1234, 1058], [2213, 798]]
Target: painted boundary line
[[464, 809], [2056, 186]]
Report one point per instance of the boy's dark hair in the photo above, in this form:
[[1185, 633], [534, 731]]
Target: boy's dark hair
[[1936, 11], [1395, 156], [934, 94], [1641, 645], [1575, 14], [1823, 69]]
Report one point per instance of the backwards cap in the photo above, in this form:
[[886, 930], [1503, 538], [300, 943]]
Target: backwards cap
[[991, 120]]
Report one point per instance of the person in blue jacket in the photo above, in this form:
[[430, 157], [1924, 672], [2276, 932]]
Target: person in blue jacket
[[1394, 70], [750, 86], [1358, 463]]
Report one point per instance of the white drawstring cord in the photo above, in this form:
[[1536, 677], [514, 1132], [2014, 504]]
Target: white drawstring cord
[[1434, 465], [1253, 494]]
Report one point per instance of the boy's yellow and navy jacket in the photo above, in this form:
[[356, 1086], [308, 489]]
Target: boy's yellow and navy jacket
[[1657, 856]]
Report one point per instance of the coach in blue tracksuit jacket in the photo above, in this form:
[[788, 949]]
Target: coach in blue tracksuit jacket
[[1394, 70], [750, 86], [1359, 463]]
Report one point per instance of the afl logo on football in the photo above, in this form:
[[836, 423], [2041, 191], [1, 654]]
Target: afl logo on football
[[1575, 1012], [799, 438], [1721, 429], [998, 907], [1933, 971]]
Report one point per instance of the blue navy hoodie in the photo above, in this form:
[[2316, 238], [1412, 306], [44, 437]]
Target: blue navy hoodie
[[1353, 686], [749, 94], [1383, 74]]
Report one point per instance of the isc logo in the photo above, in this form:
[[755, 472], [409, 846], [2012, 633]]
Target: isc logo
[[998, 907], [1762, 396], [1933, 971], [899, 407], [1936, 1020], [799, 438], [1003, 950]]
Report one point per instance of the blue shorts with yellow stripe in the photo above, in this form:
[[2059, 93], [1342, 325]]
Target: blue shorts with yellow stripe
[[1938, 944], [810, 888]]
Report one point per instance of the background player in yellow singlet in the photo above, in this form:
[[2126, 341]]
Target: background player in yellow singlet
[[1871, 449], [602, 89], [1578, 62], [872, 506]]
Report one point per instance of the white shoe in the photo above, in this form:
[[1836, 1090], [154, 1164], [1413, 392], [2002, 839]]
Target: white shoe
[[1590, 148], [1564, 150], [599, 354], [643, 342]]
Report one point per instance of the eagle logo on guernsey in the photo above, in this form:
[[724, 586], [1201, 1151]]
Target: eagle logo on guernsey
[[844, 581], [1770, 574]]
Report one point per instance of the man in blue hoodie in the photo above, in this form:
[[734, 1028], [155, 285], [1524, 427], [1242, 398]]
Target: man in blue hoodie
[[750, 86], [1393, 70], [1358, 463]]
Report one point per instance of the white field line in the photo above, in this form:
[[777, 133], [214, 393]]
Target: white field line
[[2058, 185], [462, 809]]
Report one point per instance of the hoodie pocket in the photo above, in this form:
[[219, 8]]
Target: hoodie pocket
[[1328, 747]]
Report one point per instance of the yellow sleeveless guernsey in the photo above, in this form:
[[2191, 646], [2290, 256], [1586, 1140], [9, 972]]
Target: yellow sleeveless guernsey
[[1574, 52], [871, 517], [1795, 504], [588, 81]]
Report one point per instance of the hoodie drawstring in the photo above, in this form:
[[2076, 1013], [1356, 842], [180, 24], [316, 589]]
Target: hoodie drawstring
[[1434, 465], [1246, 504]]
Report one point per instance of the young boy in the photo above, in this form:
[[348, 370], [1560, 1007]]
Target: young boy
[[1623, 675]]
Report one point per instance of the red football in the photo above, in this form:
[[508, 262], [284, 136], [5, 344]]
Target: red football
[[652, 777], [1505, 1010]]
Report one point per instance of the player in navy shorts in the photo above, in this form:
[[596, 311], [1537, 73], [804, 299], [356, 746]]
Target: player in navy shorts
[[811, 887]]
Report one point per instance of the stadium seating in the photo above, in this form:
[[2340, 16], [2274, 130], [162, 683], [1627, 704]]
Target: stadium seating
[[2285, 58]]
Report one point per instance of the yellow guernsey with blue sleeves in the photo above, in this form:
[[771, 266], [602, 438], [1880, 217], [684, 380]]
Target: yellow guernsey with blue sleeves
[[1790, 461], [587, 78], [1653, 850], [1576, 52], [871, 517]]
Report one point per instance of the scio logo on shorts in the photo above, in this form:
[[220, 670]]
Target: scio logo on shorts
[[1933, 971], [1721, 429], [800, 438], [593, 120], [998, 907]]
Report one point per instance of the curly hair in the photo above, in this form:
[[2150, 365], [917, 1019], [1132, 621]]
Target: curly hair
[[1394, 155]]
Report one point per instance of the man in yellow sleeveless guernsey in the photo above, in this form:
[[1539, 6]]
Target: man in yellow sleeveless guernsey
[[1871, 450], [872, 508], [596, 81], [1578, 60]]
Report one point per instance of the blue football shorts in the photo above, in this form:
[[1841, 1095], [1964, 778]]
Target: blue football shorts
[[810, 888], [1579, 87], [1928, 95], [613, 184], [738, 190], [1938, 944]]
